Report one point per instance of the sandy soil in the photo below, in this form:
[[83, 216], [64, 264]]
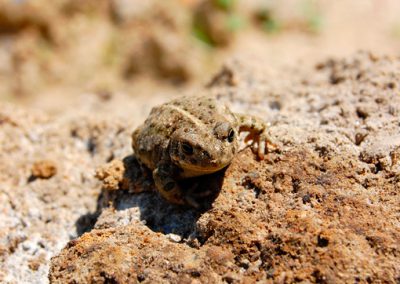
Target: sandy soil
[[323, 208]]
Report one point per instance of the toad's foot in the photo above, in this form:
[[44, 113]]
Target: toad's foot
[[257, 133], [168, 187]]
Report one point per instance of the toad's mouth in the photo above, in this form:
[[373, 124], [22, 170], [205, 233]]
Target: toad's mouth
[[191, 170]]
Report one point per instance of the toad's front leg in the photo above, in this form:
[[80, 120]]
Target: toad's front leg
[[167, 186], [258, 133]]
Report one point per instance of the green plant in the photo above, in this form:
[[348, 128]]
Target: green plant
[[235, 22], [199, 33], [225, 4], [313, 16], [268, 22]]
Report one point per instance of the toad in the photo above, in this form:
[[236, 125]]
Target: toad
[[193, 136]]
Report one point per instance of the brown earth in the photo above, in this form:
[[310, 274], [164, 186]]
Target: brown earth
[[324, 208]]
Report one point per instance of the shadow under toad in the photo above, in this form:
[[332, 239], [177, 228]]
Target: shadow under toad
[[148, 206]]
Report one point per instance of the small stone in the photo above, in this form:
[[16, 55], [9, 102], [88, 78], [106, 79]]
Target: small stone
[[175, 238], [43, 169], [112, 175]]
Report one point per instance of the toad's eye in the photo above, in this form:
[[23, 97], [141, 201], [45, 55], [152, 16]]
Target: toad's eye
[[231, 135], [187, 148]]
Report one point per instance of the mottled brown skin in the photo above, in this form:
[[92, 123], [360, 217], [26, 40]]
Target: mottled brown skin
[[192, 136]]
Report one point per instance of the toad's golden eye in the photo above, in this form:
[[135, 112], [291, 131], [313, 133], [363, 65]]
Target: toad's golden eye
[[187, 148], [231, 135]]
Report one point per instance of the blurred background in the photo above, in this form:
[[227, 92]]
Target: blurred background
[[53, 51]]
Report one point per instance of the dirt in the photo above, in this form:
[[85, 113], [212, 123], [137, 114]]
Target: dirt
[[77, 78], [324, 208]]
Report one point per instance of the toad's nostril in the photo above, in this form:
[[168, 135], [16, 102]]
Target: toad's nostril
[[206, 154]]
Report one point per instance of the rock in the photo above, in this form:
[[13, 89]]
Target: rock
[[44, 169], [322, 208]]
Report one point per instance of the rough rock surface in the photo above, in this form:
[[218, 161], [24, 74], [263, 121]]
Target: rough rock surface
[[324, 208], [41, 201], [39, 216]]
